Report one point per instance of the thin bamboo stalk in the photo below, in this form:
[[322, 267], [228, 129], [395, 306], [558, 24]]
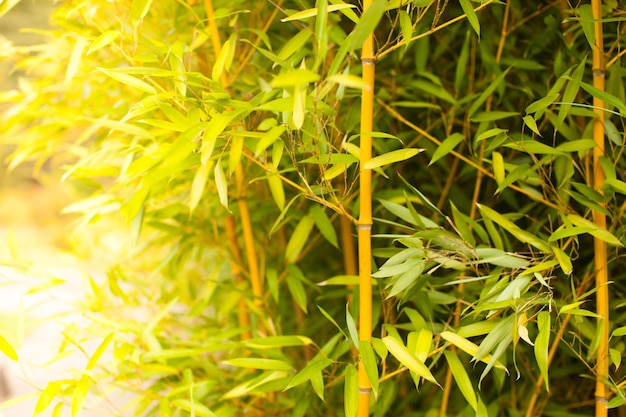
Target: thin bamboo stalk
[[364, 225], [599, 218], [244, 212]]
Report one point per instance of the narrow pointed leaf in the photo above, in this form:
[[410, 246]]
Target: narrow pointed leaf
[[406, 358], [391, 157]]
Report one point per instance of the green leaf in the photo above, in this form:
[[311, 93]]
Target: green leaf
[[606, 97], [406, 358], [7, 349], [369, 363], [271, 342], [354, 333], [351, 391], [299, 238], [570, 92], [366, 24], [259, 363], [277, 190], [193, 408], [446, 146], [532, 124], [197, 186], [487, 92], [540, 105], [497, 162], [462, 379], [542, 343], [596, 231], [472, 19], [521, 235], [391, 157], [296, 288], [587, 23], [324, 225], [309, 372], [295, 77], [333, 321], [619, 332]]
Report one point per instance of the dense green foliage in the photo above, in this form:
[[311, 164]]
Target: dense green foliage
[[483, 246]]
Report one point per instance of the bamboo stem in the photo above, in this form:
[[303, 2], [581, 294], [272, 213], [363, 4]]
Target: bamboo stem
[[244, 212], [364, 225], [599, 218]]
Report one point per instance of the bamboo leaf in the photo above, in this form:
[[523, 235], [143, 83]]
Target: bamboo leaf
[[366, 24], [259, 363], [333, 321], [80, 395], [406, 358], [321, 28], [197, 186], [498, 167], [352, 331], [277, 190], [467, 346], [487, 92], [587, 23], [606, 97], [391, 157], [596, 231], [224, 59], [446, 146], [471, 18], [294, 44], [221, 184], [351, 391], [369, 363], [294, 283], [7, 349], [299, 106], [462, 379], [299, 238], [308, 372], [532, 124], [542, 343], [570, 92], [406, 27], [47, 396], [271, 342], [99, 352], [293, 78], [347, 80], [324, 225], [128, 80], [140, 9], [304, 14], [103, 40], [193, 408], [542, 104]]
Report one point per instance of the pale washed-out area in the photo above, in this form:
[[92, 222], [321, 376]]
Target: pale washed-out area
[[43, 284]]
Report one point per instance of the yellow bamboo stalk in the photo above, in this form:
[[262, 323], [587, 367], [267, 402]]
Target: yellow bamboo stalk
[[364, 225], [244, 212], [599, 218]]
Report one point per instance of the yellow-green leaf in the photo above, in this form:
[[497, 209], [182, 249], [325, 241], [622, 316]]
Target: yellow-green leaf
[[542, 343], [596, 231], [532, 124], [369, 363], [299, 104], [467, 347], [294, 78], [7, 349], [197, 186], [128, 80], [221, 184], [391, 157], [462, 379], [299, 238], [304, 14], [498, 166], [103, 40], [277, 190], [324, 225], [80, 395], [140, 9], [308, 372], [471, 15], [99, 352], [224, 59], [351, 391], [406, 358], [446, 146], [193, 408], [348, 80], [47, 396], [259, 363]]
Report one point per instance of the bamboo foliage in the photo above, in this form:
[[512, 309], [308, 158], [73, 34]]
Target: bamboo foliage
[[243, 144]]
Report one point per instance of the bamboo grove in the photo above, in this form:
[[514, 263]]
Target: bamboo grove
[[386, 207]]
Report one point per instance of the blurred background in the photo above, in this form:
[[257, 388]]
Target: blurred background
[[42, 280]]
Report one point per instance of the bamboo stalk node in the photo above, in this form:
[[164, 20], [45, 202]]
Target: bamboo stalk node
[[600, 399], [598, 72], [363, 226], [368, 61], [365, 390]]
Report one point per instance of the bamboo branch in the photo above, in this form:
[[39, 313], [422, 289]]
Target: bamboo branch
[[364, 225], [599, 218]]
